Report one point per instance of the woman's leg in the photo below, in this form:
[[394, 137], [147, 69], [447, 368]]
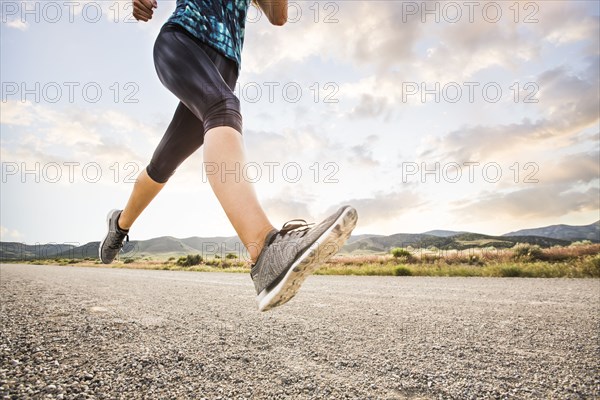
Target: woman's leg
[[223, 147], [204, 83], [236, 195], [144, 191], [182, 138]]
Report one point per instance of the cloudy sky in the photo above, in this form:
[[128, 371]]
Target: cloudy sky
[[478, 116]]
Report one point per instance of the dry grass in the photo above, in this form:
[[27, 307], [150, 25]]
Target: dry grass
[[575, 261], [581, 261]]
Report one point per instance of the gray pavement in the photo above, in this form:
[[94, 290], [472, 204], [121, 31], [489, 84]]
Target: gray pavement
[[75, 332]]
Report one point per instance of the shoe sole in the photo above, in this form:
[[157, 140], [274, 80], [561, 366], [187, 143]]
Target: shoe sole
[[110, 213], [319, 252]]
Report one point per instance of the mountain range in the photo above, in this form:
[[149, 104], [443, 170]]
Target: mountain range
[[168, 246], [565, 232]]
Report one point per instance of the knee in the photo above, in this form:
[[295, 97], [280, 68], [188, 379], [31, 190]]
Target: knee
[[159, 173], [224, 112]]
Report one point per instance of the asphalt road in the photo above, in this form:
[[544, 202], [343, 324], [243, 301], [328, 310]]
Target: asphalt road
[[74, 332]]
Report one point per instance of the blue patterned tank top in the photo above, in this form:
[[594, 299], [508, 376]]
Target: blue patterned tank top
[[218, 23]]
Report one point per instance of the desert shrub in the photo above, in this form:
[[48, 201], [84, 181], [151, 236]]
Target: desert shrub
[[585, 250], [402, 255], [189, 260], [402, 271], [73, 261], [398, 252], [581, 243], [530, 270], [357, 260], [230, 256], [590, 266], [128, 260], [511, 271], [217, 256], [475, 259], [595, 261], [469, 259], [430, 258], [558, 253], [492, 255], [368, 269], [463, 271], [527, 252]]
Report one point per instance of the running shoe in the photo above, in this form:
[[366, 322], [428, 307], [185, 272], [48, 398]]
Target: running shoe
[[113, 241], [291, 254]]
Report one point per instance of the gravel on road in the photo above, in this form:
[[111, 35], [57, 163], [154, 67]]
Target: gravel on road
[[82, 333]]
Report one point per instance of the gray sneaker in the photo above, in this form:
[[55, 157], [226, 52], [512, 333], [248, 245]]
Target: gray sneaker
[[293, 253], [113, 241]]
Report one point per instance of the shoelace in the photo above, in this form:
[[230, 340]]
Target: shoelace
[[293, 228], [117, 242]]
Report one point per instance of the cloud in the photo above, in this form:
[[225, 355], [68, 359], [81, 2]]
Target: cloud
[[564, 22], [362, 154], [464, 49], [50, 135], [282, 211], [10, 235], [17, 24], [302, 144], [383, 206], [17, 113], [370, 107], [577, 168], [361, 32], [430, 52], [73, 125], [570, 103], [558, 200]]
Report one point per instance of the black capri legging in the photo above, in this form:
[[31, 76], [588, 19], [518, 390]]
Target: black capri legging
[[204, 81]]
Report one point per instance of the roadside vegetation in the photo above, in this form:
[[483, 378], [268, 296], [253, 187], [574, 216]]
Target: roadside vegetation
[[578, 260]]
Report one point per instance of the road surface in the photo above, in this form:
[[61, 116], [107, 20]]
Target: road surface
[[74, 332]]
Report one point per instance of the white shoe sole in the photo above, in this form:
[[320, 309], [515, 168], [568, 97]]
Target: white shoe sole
[[319, 252]]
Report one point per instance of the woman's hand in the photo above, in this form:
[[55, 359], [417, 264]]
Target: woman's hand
[[143, 9], [275, 10]]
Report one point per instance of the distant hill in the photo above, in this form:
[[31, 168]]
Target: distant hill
[[461, 241], [168, 246], [565, 232], [377, 243], [442, 233], [163, 247], [354, 238], [15, 250]]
